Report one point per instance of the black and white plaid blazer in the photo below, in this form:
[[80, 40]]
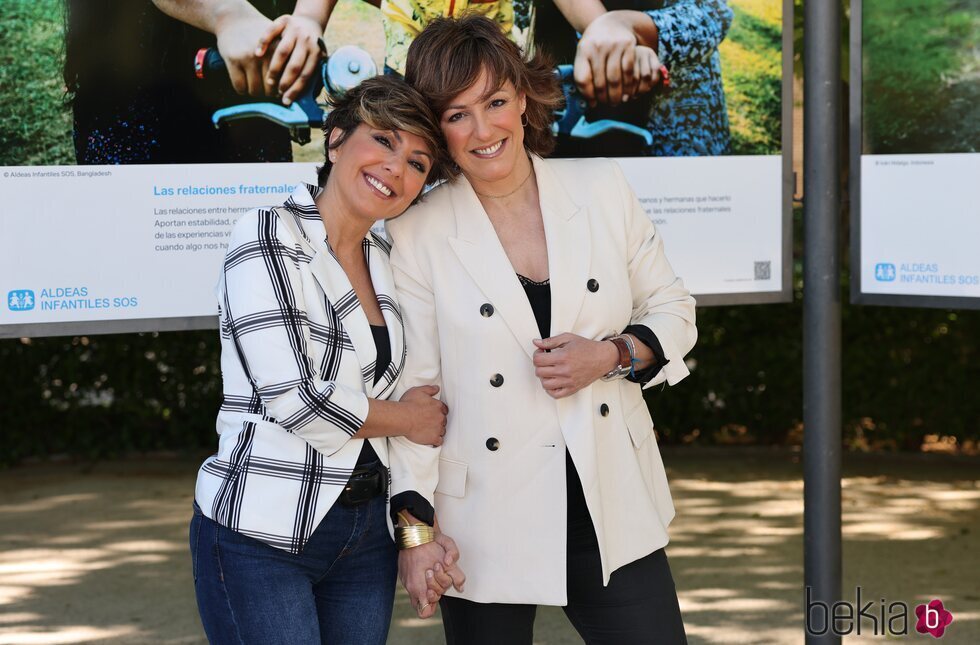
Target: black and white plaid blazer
[[297, 361]]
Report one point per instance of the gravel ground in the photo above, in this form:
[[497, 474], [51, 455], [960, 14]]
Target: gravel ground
[[97, 554]]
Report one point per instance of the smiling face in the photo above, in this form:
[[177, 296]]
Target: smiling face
[[484, 134], [378, 173]]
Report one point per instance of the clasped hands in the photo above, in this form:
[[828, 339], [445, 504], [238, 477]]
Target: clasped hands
[[270, 57], [428, 571], [611, 64]]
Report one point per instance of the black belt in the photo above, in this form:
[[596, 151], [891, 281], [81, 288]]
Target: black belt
[[365, 483]]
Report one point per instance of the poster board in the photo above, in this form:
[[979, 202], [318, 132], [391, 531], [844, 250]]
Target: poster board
[[118, 222], [915, 194]]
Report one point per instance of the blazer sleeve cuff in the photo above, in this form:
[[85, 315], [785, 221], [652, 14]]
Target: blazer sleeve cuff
[[415, 504], [646, 336], [675, 370]]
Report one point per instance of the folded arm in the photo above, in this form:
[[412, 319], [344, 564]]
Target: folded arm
[[265, 313]]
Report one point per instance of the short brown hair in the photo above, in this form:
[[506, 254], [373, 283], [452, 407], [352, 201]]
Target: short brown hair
[[384, 103], [448, 56]]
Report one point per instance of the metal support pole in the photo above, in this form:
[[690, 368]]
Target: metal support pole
[[822, 315]]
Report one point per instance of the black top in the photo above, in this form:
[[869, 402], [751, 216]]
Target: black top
[[539, 296], [383, 345], [580, 530]]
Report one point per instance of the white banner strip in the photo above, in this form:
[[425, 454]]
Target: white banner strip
[[100, 243]]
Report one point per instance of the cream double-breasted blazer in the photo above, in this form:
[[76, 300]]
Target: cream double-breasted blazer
[[498, 482]]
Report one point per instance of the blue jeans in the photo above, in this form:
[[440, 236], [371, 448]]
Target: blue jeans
[[340, 589]]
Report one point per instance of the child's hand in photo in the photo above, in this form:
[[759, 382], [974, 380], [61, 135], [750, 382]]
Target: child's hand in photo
[[294, 58], [237, 36]]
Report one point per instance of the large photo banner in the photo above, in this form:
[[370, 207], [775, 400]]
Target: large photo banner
[[133, 134], [916, 152]]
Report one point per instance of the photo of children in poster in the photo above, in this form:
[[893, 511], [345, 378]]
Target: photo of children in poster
[[930, 107], [665, 78], [132, 94]]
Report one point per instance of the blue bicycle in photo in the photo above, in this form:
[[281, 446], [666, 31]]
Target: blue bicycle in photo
[[349, 65], [339, 72]]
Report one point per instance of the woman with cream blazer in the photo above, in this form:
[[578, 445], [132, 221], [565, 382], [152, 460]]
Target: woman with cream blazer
[[498, 482]]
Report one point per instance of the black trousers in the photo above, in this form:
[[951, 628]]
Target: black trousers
[[639, 607]]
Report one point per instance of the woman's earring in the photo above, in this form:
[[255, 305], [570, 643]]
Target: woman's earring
[[524, 120]]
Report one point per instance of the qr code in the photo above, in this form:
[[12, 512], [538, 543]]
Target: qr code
[[762, 270]]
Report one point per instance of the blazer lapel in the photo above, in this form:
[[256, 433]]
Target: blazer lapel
[[333, 281], [481, 254], [567, 231]]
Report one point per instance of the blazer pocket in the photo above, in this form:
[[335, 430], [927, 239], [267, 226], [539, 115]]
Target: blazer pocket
[[452, 477], [639, 424]]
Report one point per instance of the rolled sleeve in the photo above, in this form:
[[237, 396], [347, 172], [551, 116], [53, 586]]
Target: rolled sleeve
[[661, 302], [418, 506], [648, 338]]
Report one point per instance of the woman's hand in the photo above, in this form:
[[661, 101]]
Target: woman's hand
[[441, 577], [425, 418], [412, 565], [427, 571], [566, 363], [295, 57]]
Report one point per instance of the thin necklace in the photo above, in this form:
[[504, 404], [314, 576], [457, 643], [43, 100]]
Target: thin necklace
[[521, 185]]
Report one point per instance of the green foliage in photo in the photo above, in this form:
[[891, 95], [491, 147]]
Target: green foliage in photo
[[35, 127], [921, 79], [751, 63]]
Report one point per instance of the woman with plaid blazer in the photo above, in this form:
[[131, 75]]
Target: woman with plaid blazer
[[290, 538]]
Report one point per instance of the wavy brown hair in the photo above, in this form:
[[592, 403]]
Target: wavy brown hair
[[449, 54], [385, 103]]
